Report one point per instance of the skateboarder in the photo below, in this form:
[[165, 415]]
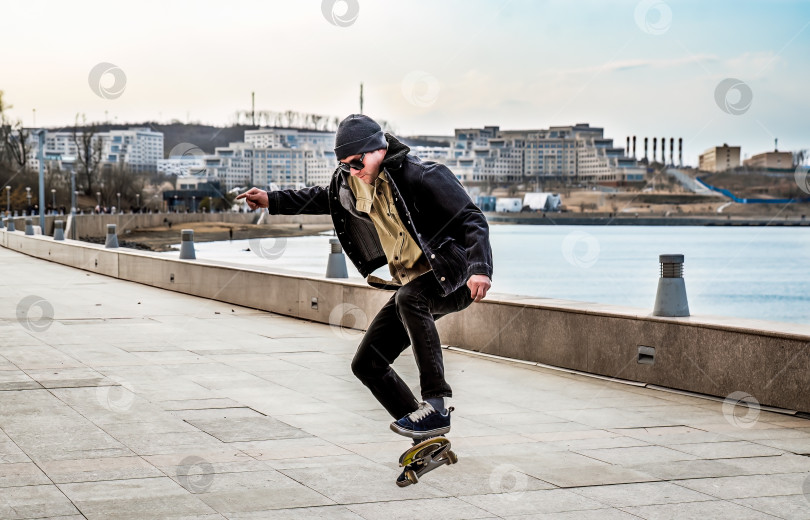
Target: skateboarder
[[390, 207]]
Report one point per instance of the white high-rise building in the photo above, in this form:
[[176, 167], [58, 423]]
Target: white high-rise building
[[290, 138], [138, 149], [232, 165], [579, 152], [284, 157]]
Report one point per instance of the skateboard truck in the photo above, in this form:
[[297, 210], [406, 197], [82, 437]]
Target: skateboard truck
[[423, 457]]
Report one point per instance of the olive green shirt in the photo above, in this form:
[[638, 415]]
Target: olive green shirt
[[406, 260]]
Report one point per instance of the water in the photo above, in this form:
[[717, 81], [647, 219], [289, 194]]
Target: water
[[745, 272]]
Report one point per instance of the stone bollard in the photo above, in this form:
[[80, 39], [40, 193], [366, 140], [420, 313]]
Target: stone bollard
[[336, 265], [29, 226], [187, 245], [112, 238], [670, 300], [10, 224], [59, 230]]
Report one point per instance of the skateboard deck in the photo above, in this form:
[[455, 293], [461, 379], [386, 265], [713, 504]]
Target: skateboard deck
[[424, 457]]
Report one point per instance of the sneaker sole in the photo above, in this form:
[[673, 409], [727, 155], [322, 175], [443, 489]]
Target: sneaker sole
[[419, 435]]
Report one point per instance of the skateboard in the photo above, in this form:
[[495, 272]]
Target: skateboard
[[423, 457]]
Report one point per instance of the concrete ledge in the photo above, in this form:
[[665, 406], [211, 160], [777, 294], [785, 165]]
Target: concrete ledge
[[769, 361], [96, 225]]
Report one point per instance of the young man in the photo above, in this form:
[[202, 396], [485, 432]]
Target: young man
[[389, 207]]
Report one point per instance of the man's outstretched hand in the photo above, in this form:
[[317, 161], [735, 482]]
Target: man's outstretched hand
[[479, 284], [255, 198]]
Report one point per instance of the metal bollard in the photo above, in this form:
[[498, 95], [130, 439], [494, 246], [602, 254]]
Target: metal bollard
[[336, 265], [112, 237], [29, 226], [670, 299], [10, 224], [58, 230], [187, 245]]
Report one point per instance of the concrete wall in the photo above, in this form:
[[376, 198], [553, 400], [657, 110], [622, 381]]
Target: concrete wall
[[711, 355], [96, 225]]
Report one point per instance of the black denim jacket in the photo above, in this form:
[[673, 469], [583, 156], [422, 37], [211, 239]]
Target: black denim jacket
[[432, 204]]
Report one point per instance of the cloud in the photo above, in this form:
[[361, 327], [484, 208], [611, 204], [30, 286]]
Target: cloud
[[638, 63], [751, 64]]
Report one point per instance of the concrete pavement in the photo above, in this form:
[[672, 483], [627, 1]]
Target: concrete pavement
[[119, 400]]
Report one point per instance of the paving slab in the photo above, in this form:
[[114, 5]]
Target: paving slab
[[134, 402]]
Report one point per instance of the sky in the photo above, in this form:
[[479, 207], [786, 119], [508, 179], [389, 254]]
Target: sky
[[709, 71]]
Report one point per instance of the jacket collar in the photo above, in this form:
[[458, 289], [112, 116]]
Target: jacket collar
[[397, 151]]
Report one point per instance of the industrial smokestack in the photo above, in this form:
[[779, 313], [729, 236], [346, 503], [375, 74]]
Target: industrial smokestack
[[655, 148], [672, 151], [645, 149], [634, 147], [680, 152], [663, 150], [627, 149]]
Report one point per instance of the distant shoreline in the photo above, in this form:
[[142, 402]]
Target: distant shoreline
[[560, 219], [162, 238]]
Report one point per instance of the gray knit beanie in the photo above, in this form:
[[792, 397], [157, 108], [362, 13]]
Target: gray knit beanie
[[358, 134]]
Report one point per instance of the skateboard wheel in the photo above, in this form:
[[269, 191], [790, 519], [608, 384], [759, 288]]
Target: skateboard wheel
[[452, 456], [411, 476]]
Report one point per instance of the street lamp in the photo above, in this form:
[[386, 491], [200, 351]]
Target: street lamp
[[119, 201], [8, 199], [28, 196], [53, 200], [74, 199], [138, 201], [194, 204], [98, 197]]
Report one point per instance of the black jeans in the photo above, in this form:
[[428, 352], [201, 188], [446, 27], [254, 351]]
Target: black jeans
[[408, 319]]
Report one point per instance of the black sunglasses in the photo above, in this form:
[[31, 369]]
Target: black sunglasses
[[357, 164]]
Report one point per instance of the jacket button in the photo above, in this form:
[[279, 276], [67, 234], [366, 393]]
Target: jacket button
[[433, 256], [442, 278]]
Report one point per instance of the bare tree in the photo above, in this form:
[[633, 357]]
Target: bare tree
[[799, 157], [15, 146], [5, 130], [88, 151]]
